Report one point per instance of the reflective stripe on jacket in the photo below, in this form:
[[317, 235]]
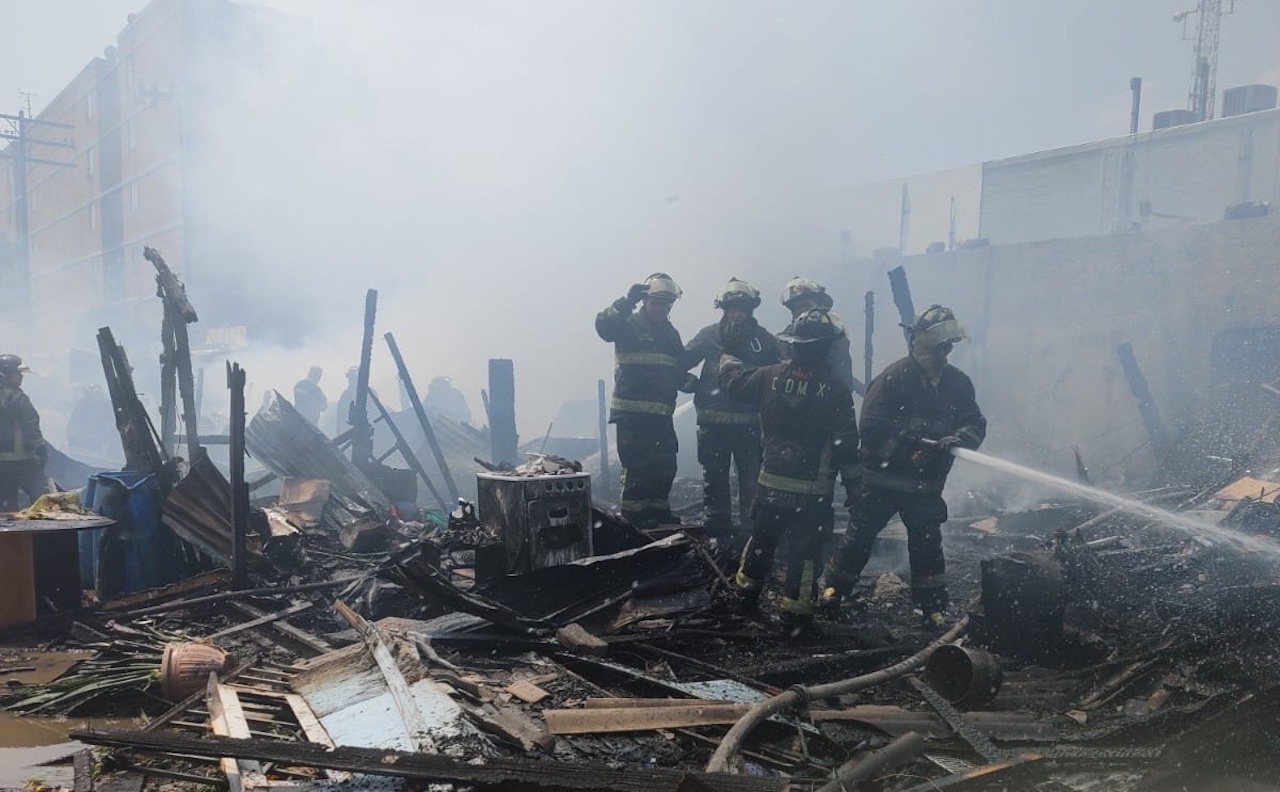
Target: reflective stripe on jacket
[[648, 361], [807, 422], [714, 404]]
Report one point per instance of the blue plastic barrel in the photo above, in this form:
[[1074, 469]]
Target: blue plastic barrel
[[127, 556]]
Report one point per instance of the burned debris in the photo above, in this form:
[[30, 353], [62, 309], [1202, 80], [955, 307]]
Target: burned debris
[[309, 624]]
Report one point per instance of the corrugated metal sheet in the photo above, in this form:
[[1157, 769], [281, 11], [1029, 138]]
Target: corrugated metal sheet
[[288, 445], [199, 510]]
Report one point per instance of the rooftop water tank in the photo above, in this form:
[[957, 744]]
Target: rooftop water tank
[[1172, 118], [1248, 99]]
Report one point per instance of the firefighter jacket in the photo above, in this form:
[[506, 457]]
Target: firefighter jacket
[[840, 359], [648, 361], [714, 405], [807, 420], [901, 408], [20, 438]]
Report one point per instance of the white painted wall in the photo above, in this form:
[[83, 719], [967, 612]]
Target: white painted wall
[[1194, 171]]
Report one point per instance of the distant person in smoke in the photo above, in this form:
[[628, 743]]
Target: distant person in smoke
[[445, 401], [342, 409], [91, 425], [23, 452], [308, 398], [916, 411]]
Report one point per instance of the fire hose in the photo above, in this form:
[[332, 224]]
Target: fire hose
[[798, 695]]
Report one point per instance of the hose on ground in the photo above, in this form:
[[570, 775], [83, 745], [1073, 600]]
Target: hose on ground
[[798, 695]]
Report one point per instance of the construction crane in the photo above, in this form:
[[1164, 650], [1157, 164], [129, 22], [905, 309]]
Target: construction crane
[[1204, 75]]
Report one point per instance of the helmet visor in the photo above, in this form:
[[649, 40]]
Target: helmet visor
[[949, 331]]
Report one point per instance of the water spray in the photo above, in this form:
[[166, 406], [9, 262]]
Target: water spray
[[1200, 530]]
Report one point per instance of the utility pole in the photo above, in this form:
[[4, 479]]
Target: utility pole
[[20, 152]]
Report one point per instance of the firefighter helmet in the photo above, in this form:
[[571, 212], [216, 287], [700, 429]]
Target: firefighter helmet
[[662, 286], [937, 325], [798, 288], [810, 327], [11, 364], [738, 292]]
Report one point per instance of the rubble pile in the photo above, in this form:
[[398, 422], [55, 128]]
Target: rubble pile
[[336, 633]]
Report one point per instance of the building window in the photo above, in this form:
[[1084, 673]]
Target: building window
[[134, 200], [88, 163], [133, 138], [93, 217], [88, 105], [128, 71]]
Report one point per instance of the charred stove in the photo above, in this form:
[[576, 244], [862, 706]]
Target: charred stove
[[544, 520]]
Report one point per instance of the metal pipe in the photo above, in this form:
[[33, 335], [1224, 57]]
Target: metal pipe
[[895, 753], [606, 487], [1135, 85], [870, 309]]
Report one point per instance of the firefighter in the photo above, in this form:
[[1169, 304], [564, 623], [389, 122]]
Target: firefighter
[[309, 398], [802, 295], [915, 412], [807, 420], [23, 452], [649, 369], [728, 429]]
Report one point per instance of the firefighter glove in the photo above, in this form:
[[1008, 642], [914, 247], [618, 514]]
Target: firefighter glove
[[949, 442], [636, 293], [690, 384]]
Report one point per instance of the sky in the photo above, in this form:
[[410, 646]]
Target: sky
[[500, 171]]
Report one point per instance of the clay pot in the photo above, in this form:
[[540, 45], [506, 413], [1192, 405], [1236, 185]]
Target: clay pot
[[185, 668]]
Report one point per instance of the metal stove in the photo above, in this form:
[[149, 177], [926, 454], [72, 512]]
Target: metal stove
[[544, 520]]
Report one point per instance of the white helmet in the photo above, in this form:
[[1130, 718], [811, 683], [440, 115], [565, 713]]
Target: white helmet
[[662, 285], [799, 287], [738, 291]]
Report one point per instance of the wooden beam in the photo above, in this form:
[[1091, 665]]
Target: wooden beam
[[600, 721], [315, 730], [227, 720], [430, 767], [303, 637], [415, 723], [259, 621]]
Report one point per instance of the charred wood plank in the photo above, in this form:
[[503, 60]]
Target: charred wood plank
[[260, 620], [623, 719], [429, 767], [301, 636], [234, 595], [1146, 404], [998, 775], [362, 438], [407, 452], [423, 421]]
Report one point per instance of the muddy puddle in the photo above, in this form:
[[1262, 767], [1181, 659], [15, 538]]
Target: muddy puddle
[[26, 744]]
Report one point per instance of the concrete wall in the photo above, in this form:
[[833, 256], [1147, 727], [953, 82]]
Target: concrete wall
[[1190, 173], [1045, 319]]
